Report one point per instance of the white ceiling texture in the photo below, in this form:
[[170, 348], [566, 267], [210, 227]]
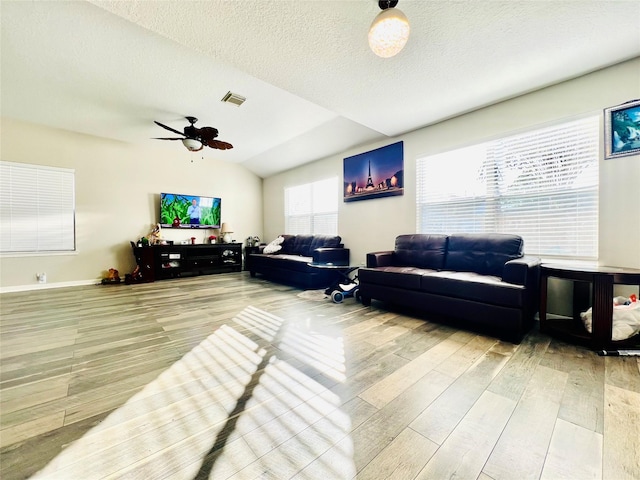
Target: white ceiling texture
[[313, 87]]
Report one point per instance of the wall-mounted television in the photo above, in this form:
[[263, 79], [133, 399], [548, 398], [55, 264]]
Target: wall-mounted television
[[189, 211]]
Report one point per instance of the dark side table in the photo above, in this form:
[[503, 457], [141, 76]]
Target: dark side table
[[247, 252], [593, 286]]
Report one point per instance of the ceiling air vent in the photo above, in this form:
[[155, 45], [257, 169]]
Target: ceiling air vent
[[233, 98]]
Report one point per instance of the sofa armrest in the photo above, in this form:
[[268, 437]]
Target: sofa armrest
[[334, 255], [523, 271], [380, 259]]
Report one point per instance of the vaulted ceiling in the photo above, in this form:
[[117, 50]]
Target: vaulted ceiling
[[313, 87]]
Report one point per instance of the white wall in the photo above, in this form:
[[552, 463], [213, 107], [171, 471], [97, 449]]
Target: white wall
[[372, 225], [118, 187]]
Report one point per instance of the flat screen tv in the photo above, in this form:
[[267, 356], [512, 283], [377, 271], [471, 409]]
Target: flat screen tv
[[191, 211]]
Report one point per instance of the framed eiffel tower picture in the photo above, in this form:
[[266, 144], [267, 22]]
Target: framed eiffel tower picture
[[374, 174]]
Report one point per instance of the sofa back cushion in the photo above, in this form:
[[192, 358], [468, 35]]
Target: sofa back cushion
[[420, 250], [324, 241], [287, 244], [484, 253], [305, 244]]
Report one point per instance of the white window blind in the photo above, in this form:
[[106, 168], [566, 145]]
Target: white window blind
[[37, 208], [312, 208], [542, 185]]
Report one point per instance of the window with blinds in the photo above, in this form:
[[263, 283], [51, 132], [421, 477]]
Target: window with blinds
[[37, 209], [312, 208], [542, 185]]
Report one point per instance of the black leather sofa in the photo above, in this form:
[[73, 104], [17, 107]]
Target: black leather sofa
[[477, 279], [291, 264]]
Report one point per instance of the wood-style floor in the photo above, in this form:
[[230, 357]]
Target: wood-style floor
[[225, 376]]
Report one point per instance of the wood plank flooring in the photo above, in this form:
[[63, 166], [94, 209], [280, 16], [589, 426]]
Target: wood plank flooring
[[229, 377]]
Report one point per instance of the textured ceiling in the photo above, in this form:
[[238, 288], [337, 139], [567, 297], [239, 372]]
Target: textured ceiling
[[313, 88]]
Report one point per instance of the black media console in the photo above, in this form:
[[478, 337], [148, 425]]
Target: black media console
[[159, 262]]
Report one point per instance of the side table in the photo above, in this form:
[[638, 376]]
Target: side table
[[248, 251], [601, 280]]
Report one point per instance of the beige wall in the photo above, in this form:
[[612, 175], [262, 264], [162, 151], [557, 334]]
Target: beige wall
[[118, 184], [118, 187], [373, 224]]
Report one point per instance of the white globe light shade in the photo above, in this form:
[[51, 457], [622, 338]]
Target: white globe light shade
[[192, 144], [389, 32]]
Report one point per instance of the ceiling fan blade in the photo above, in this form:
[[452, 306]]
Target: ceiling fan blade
[[157, 138], [168, 128], [218, 144], [207, 133]]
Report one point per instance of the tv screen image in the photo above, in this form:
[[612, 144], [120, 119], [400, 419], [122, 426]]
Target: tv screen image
[[191, 210]]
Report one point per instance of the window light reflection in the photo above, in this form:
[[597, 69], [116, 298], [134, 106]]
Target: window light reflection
[[229, 406]]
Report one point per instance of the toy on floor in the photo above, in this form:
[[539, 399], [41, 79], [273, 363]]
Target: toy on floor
[[345, 287], [112, 277]]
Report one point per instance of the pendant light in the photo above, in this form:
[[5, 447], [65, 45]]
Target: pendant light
[[389, 31]]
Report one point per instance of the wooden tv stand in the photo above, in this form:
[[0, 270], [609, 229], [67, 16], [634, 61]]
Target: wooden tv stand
[[159, 262]]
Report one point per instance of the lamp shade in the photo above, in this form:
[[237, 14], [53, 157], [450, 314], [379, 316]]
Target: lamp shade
[[192, 144], [389, 32], [226, 230]]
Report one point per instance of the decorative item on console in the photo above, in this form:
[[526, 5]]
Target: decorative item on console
[[253, 241], [155, 237], [213, 239]]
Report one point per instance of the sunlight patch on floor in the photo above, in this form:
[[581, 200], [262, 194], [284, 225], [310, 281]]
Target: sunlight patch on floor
[[249, 399]]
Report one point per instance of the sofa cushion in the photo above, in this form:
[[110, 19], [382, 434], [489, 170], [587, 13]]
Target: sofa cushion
[[473, 286], [301, 244], [305, 244], [287, 244], [400, 277], [420, 250], [484, 253], [295, 263], [324, 241]]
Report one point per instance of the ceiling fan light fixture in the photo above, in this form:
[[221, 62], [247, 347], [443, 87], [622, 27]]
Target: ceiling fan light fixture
[[389, 31], [192, 144]]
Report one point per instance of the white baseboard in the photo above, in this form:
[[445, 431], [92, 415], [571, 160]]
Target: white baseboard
[[42, 286]]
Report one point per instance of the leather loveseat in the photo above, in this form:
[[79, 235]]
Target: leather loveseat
[[291, 263], [481, 279]]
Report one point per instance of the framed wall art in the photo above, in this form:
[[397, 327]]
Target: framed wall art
[[374, 174], [622, 130]]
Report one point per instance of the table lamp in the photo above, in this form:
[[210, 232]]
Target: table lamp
[[226, 232]]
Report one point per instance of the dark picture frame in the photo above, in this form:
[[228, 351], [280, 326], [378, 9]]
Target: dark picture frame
[[622, 130], [374, 174]]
